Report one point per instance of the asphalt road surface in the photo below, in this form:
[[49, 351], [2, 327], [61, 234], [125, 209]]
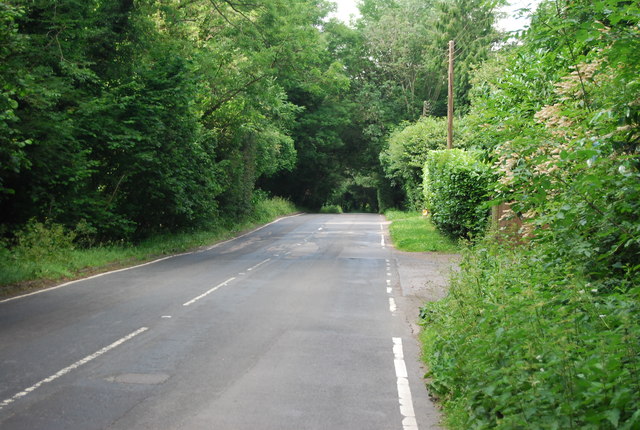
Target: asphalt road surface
[[292, 326]]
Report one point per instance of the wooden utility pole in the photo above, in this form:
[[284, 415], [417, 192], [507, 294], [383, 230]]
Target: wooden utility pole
[[450, 100]]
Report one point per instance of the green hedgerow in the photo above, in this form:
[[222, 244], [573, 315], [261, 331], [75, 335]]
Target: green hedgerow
[[456, 188]]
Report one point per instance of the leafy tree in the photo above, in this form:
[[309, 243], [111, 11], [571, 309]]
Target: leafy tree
[[407, 151]]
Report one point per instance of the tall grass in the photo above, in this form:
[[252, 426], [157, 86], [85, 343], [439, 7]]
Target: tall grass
[[44, 253]]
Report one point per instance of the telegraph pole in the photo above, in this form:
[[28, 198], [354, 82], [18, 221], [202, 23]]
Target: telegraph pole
[[450, 100]]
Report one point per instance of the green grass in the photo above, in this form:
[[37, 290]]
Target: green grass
[[33, 268], [410, 231]]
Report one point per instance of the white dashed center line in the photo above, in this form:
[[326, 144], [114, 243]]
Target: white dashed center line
[[206, 293], [392, 305], [258, 265], [74, 366]]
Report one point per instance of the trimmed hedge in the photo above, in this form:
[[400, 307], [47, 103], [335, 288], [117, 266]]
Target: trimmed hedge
[[456, 188]]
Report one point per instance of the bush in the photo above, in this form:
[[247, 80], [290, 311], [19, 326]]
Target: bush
[[267, 209], [38, 242], [456, 187], [331, 209], [406, 152], [521, 341], [38, 250]]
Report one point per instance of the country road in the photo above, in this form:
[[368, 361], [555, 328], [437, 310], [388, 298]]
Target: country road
[[297, 325]]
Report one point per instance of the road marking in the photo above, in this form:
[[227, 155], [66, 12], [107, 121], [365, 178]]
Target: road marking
[[206, 293], [143, 264], [388, 281], [258, 265], [388, 273], [392, 305], [250, 232], [404, 391], [74, 366], [389, 290], [91, 277], [166, 316]]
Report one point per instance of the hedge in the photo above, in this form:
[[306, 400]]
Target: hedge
[[456, 187]]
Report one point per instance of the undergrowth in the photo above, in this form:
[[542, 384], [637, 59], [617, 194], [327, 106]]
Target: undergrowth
[[331, 209], [523, 342], [45, 251]]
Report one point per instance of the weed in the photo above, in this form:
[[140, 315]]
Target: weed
[[523, 342]]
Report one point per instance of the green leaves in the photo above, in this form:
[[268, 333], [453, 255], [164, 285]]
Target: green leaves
[[406, 152], [520, 344], [543, 334], [149, 116], [456, 190]]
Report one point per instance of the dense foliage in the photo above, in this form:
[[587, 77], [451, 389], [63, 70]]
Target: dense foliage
[[456, 190], [544, 333], [406, 152], [144, 116], [522, 342], [125, 119]]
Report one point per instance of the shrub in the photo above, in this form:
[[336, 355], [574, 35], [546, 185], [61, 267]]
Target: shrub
[[404, 156], [456, 187], [331, 209], [38, 250], [265, 209], [38, 242], [521, 341]]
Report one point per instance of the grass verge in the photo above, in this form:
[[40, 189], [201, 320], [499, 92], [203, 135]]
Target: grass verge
[[410, 231], [39, 266]]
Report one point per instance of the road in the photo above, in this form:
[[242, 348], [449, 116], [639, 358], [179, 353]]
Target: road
[[293, 326]]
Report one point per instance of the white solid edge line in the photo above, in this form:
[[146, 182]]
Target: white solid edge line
[[91, 277], [206, 293], [74, 366], [405, 400], [250, 232], [45, 290]]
